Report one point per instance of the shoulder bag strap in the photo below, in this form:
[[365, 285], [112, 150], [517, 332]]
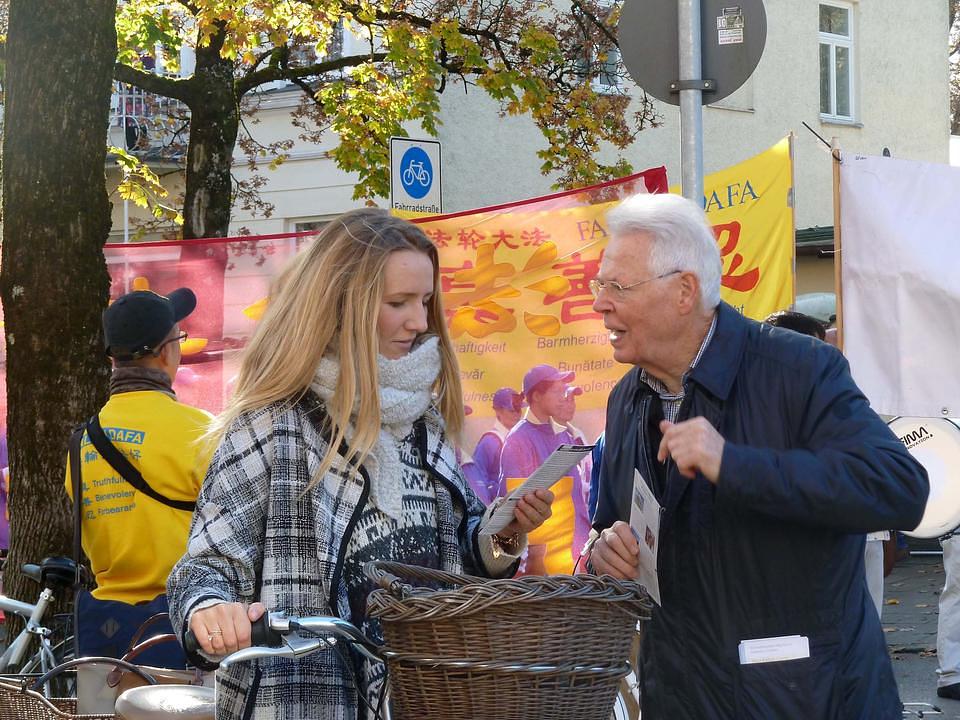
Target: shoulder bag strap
[[76, 438], [75, 469], [118, 462]]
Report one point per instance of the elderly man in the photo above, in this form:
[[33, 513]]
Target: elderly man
[[770, 467]]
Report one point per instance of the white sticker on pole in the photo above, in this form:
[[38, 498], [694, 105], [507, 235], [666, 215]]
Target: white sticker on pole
[[730, 26]]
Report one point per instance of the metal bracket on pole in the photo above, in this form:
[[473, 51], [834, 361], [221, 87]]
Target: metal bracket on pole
[[702, 85]]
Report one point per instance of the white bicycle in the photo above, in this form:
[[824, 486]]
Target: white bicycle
[[55, 644]]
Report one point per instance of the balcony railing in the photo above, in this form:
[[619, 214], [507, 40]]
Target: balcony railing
[[149, 126]]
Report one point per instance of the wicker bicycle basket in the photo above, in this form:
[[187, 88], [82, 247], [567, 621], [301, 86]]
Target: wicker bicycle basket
[[460, 647], [17, 702]]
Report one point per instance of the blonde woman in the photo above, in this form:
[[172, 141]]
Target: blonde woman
[[334, 450]]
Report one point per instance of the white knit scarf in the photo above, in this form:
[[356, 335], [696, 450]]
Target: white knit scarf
[[405, 395]]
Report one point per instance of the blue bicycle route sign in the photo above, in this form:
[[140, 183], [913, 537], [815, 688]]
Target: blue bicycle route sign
[[415, 175], [416, 172]]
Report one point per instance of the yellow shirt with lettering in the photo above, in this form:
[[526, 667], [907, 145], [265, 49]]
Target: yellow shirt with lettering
[[131, 539]]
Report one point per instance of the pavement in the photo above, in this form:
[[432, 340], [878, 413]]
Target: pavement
[[909, 617]]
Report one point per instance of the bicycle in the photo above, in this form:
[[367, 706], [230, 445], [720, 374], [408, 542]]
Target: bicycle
[[54, 574]]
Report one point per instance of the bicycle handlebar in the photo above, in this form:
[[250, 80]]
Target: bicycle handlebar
[[260, 634], [277, 635]]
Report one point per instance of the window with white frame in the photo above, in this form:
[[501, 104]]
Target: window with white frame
[[601, 65], [836, 61], [609, 72]]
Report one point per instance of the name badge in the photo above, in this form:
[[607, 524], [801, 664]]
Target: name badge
[[774, 649]]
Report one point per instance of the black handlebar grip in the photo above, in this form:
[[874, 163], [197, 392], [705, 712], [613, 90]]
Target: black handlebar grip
[[190, 644], [260, 634]]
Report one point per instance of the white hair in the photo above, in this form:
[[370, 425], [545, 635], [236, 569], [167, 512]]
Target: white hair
[[681, 238]]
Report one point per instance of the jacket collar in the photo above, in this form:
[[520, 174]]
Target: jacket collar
[[533, 419], [718, 366]]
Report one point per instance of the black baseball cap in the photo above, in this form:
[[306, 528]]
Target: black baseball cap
[[137, 322]]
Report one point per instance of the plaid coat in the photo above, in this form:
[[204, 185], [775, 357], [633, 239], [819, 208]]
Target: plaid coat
[[257, 535]]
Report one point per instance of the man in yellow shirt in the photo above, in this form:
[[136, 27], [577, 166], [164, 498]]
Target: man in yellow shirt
[[132, 538]]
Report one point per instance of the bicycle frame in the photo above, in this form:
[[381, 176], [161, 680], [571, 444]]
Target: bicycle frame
[[16, 651], [13, 658]]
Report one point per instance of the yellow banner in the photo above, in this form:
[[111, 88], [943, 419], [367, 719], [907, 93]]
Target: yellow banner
[[750, 207]]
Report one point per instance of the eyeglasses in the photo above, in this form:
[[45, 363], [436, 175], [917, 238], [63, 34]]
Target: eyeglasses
[[179, 338], [619, 290]]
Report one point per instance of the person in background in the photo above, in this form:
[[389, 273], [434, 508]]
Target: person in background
[[596, 458], [133, 540], [471, 472], [798, 322], [948, 620], [337, 448], [4, 511], [567, 409], [770, 467], [507, 407], [4, 489], [529, 443]]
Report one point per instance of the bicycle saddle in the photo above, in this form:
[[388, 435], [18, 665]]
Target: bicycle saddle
[[54, 572], [166, 702]]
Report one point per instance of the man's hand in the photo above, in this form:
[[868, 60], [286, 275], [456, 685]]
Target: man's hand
[[695, 446], [616, 552]]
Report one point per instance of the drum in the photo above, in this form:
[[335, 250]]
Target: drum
[[935, 443]]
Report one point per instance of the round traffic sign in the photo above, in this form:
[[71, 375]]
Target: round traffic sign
[[733, 35], [416, 172]]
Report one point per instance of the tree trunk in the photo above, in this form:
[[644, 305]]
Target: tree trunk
[[214, 119], [59, 62]]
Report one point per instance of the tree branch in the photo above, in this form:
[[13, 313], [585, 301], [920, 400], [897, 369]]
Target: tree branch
[[176, 88], [269, 74], [426, 23]]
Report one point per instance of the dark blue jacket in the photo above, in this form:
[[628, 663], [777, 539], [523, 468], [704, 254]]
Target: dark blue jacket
[[776, 546]]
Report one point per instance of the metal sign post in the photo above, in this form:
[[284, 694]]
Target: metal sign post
[[691, 100]]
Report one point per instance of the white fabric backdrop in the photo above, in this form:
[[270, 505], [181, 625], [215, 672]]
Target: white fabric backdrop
[[900, 223]]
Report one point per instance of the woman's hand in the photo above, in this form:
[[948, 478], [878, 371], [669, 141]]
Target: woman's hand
[[225, 628], [531, 512]]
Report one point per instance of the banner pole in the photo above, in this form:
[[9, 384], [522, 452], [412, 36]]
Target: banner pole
[[792, 200], [837, 240]]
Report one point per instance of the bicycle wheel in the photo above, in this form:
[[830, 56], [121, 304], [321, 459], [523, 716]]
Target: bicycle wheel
[[627, 705]]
